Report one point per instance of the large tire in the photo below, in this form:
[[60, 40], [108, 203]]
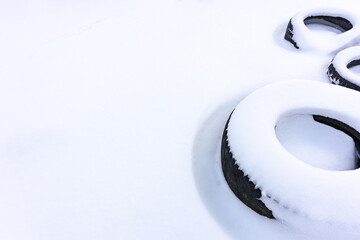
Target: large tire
[[299, 35], [339, 72], [267, 178]]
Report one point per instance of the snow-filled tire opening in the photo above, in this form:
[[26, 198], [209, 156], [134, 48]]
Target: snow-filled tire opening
[[339, 68], [351, 132]]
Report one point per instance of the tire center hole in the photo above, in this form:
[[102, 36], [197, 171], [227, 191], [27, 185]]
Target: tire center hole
[[354, 66], [317, 144], [327, 25]]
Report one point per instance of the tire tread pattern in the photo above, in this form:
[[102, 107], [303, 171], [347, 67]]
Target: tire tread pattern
[[239, 183]]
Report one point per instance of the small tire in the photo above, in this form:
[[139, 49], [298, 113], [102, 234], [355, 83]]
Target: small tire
[[271, 181], [339, 72], [301, 37]]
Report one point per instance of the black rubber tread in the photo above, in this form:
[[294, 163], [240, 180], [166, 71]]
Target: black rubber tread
[[339, 23], [355, 135], [337, 79], [289, 34], [240, 184]]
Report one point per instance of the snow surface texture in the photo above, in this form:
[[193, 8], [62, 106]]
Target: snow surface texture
[[307, 40], [341, 62], [111, 113]]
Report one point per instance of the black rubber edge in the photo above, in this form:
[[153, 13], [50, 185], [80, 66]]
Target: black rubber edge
[[353, 63], [339, 23], [337, 79], [353, 133], [289, 34], [240, 184]]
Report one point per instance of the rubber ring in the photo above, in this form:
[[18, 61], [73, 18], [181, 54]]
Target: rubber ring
[[339, 72], [301, 37], [250, 146]]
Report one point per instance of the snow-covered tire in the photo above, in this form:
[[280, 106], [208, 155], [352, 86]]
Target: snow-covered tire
[[299, 35], [339, 72], [271, 181]]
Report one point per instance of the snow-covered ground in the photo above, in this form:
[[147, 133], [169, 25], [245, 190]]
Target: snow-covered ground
[[112, 112]]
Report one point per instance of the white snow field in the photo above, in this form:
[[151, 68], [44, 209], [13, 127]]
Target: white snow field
[[111, 114]]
